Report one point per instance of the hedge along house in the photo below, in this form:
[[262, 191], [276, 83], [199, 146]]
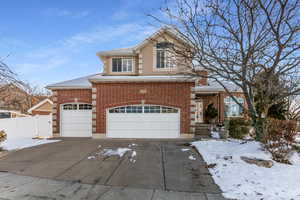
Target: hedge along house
[[139, 94]]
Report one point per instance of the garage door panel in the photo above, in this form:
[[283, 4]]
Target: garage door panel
[[145, 116], [76, 127], [143, 125], [142, 134], [76, 123]]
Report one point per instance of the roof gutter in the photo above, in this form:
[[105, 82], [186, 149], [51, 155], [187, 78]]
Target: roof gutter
[[67, 87], [129, 80]]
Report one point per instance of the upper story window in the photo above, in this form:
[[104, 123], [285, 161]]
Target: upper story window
[[122, 64], [164, 57], [232, 109]]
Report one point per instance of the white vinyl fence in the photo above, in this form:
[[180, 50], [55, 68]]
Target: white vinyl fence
[[29, 127]]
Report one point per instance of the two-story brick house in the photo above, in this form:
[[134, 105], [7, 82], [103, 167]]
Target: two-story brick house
[[139, 94]]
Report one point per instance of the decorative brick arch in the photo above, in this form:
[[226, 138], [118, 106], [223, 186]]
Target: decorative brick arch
[[154, 103]]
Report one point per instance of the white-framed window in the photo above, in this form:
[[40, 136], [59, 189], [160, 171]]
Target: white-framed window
[[143, 109], [77, 106], [165, 59], [122, 65], [232, 109]]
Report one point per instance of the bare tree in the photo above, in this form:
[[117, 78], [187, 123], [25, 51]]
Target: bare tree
[[7, 76], [237, 41], [33, 94], [294, 108], [16, 94]]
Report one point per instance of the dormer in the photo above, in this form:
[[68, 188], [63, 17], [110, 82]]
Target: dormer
[[119, 62]]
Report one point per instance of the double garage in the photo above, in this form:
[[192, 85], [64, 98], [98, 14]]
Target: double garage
[[130, 121]]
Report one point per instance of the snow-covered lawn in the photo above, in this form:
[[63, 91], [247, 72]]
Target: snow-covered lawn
[[298, 138], [240, 180], [20, 143]]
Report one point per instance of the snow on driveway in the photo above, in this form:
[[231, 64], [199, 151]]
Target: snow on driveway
[[20, 143], [120, 152], [115, 152], [240, 180]]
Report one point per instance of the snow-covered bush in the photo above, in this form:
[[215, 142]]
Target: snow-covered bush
[[280, 139], [238, 127]]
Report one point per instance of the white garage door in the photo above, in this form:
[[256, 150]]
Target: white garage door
[[76, 120], [143, 121]]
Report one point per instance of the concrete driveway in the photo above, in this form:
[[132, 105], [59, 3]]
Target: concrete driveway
[[157, 166]]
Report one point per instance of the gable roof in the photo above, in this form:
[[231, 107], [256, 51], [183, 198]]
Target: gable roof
[[39, 104], [85, 81], [118, 52], [132, 50], [214, 86], [171, 32], [77, 83]]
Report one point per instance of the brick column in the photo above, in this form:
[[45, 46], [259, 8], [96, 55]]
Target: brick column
[[193, 111], [94, 110], [55, 129], [140, 64], [94, 115]]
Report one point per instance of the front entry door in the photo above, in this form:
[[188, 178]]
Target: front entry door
[[199, 111]]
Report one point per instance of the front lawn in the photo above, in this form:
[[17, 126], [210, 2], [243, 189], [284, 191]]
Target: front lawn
[[240, 180]]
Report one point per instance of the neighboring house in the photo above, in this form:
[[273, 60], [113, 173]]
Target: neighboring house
[[140, 94], [14, 97], [10, 114], [42, 108]]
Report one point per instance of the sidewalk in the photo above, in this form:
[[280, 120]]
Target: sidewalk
[[24, 187]]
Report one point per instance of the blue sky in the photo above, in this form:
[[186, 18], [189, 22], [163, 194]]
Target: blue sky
[[51, 41]]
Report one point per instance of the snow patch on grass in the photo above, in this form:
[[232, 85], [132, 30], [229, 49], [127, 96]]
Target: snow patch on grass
[[240, 180], [298, 138], [215, 134], [21, 143]]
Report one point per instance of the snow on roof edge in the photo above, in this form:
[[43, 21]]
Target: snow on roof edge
[[80, 82]]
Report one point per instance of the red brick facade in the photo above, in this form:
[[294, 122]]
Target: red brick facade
[[69, 96], [168, 94], [109, 95]]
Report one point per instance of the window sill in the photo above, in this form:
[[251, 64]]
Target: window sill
[[164, 69], [121, 73], [234, 116]]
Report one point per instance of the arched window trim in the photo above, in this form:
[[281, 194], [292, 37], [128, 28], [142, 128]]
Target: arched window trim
[[147, 108], [76, 106]]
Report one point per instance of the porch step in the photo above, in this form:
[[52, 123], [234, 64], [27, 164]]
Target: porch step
[[202, 131]]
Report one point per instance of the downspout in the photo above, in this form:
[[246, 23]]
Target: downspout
[[219, 100]]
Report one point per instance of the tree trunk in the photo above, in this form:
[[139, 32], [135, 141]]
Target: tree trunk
[[260, 126]]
